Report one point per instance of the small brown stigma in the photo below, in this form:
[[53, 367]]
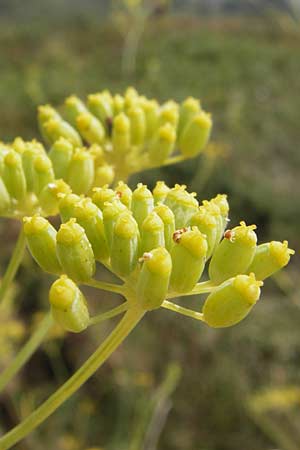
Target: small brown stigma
[[178, 233], [146, 256], [119, 194], [230, 235]]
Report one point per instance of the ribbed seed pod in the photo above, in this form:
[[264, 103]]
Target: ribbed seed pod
[[5, 200], [75, 252], [183, 204], [188, 259], [154, 277], [50, 196], [269, 258], [125, 245], [213, 209], [151, 111], [163, 144], [61, 154], [142, 203], [46, 113], [160, 192], [124, 193], [111, 212], [81, 171], [73, 107], [102, 195], [104, 175], [43, 173], [66, 206], [13, 175], [68, 305], [56, 128], [91, 219], [152, 233], [101, 106], [137, 125], [234, 254], [221, 201], [188, 110], [207, 224], [121, 134], [195, 135], [19, 145], [41, 241], [168, 219], [232, 301], [90, 128]]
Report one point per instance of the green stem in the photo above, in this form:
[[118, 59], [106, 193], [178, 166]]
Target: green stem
[[27, 350], [103, 285], [184, 311], [109, 314], [117, 336], [13, 265], [201, 288]]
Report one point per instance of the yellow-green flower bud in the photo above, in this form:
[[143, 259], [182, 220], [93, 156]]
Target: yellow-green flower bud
[[75, 252], [102, 195], [214, 209], [81, 171], [68, 305], [153, 280], [168, 218], [118, 104], [73, 107], [121, 134], [269, 258], [13, 175], [61, 154], [151, 111], [46, 113], [183, 204], [56, 128], [111, 212], [169, 114], [188, 259], [31, 151], [97, 153], [19, 145], [5, 199], [90, 218], [221, 201], [195, 135], [41, 241], [231, 302], [152, 233], [125, 245], [137, 125], [43, 173], [163, 144], [188, 110], [142, 203], [207, 224], [90, 128], [101, 106], [50, 196], [66, 206], [234, 254], [104, 175], [160, 192], [124, 193]]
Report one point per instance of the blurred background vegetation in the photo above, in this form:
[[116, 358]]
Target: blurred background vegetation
[[174, 385]]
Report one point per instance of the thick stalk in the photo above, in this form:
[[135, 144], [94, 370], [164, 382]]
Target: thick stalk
[[13, 265], [117, 336], [27, 350]]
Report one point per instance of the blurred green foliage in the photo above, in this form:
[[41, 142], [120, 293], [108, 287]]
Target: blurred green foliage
[[246, 72]]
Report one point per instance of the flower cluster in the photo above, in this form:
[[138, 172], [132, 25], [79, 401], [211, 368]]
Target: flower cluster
[[123, 134], [158, 243]]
